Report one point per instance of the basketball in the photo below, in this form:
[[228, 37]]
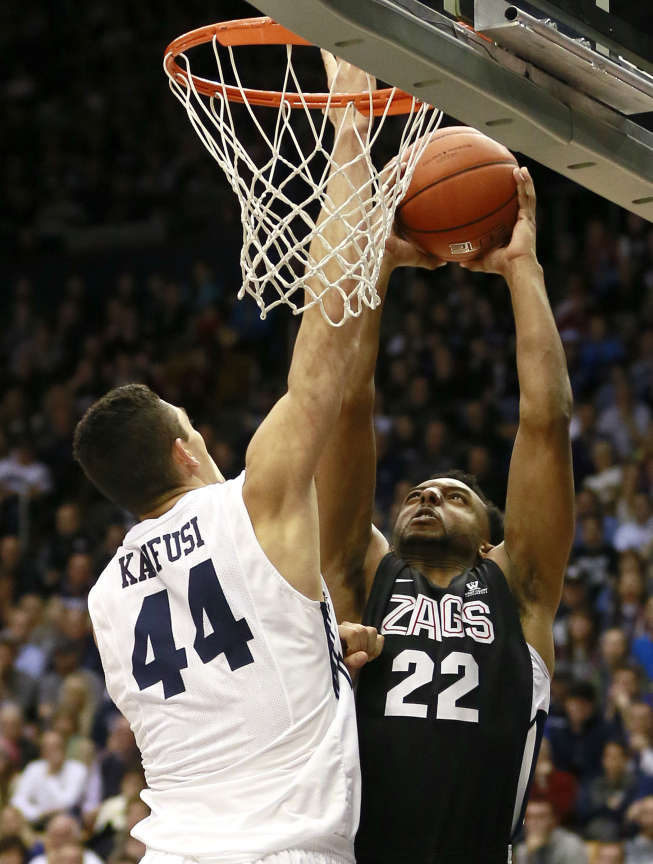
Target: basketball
[[462, 200]]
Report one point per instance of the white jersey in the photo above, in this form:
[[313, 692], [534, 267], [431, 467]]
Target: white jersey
[[234, 685]]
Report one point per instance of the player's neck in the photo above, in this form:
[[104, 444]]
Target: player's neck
[[441, 572], [168, 501]]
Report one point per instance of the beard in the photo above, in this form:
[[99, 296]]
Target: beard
[[435, 549]]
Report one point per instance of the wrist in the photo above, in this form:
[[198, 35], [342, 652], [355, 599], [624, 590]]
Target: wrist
[[522, 266]]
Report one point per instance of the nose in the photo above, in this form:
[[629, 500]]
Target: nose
[[431, 496]]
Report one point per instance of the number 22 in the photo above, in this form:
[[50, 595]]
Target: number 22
[[447, 700]]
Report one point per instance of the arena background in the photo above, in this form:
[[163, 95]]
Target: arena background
[[120, 243]]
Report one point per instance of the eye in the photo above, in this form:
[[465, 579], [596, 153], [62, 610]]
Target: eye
[[411, 495], [456, 496]]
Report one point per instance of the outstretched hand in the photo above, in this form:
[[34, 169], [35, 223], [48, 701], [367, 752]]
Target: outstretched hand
[[360, 644], [400, 252], [522, 242], [343, 77]]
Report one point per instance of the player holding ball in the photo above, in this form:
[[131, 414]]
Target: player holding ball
[[451, 715]]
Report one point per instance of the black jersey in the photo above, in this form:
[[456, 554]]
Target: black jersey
[[450, 718]]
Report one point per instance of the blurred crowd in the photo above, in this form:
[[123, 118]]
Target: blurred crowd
[[447, 396]]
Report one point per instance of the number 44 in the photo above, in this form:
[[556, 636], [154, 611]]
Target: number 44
[[154, 624]]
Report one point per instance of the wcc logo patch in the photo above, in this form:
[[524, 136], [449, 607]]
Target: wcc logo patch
[[473, 589]]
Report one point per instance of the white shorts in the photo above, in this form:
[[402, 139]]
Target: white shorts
[[290, 856]]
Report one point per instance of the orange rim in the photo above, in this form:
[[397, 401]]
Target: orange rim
[[265, 31]]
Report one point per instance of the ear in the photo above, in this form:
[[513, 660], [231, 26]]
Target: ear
[[485, 548], [183, 458]]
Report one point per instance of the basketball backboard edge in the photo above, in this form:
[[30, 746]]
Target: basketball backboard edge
[[441, 61]]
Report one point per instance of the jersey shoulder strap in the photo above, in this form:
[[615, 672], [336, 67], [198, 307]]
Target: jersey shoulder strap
[[496, 578], [390, 566]]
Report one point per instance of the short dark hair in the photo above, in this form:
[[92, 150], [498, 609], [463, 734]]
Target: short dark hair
[[494, 514], [13, 843], [584, 690], [124, 442]]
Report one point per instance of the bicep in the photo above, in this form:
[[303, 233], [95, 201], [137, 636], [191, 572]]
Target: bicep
[[279, 494], [539, 518], [282, 456]]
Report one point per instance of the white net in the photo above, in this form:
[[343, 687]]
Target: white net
[[278, 161]]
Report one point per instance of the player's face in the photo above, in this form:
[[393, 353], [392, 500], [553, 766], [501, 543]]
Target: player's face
[[208, 472], [444, 512]]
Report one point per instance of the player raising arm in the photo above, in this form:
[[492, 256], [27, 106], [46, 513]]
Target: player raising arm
[[215, 629], [450, 716]]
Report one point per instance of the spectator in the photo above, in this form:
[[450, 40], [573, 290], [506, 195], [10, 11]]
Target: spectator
[[62, 831], [66, 540], [637, 533], [639, 850], [639, 735], [608, 853], [577, 742], [22, 474], [603, 800], [625, 689], [625, 607], [120, 756], [593, 557], [575, 598], [78, 696], [12, 822], [109, 823], [71, 853], [66, 660], [607, 476], [560, 788], [579, 656], [625, 422], [7, 771], [15, 685], [12, 850], [613, 653], [436, 450], [128, 845], [545, 843], [642, 648], [30, 657], [17, 576], [583, 433], [49, 784], [19, 748], [79, 576]]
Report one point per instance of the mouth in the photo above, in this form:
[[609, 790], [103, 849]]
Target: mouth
[[426, 514]]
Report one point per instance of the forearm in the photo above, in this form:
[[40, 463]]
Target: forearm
[[359, 387], [545, 391], [346, 520], [323, 354], [345, 208]]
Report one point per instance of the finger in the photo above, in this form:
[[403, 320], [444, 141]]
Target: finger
[[356, 661], [431, 262], [378, 647], [370, 639], [474, 266], [530, 186], [525, 193], [352, 637], [330, 66]]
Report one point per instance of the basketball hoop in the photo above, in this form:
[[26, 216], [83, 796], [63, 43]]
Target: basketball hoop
[[278, 164]]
